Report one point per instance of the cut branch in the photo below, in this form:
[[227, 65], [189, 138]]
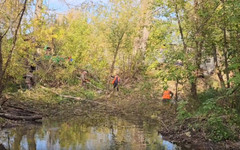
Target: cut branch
[[26, 118]]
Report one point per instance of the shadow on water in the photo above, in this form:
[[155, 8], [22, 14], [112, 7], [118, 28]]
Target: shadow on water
[[85, 133]]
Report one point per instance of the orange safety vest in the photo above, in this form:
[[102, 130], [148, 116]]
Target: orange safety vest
[[115, 78], [166, 95]]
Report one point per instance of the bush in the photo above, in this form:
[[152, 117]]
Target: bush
[[220, 123], [217, 130], [210, 93], [182, 112], [218, 119]]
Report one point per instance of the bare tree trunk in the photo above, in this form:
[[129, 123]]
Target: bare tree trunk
[[194, 81], [114, 60], [116, 52], [198, 53], [140, 44], [238, 43], [219, 73], [180, 28], [1, 67], [198, 58], [225, 54], [38, 9], [194, 89], [176, 92]]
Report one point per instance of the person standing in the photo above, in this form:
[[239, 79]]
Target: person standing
[[29, 79], [167, 95], [116, 82], [83, 78]]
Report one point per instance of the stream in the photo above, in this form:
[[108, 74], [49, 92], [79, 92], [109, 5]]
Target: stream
[[84, 133]]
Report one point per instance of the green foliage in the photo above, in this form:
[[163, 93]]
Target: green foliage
[[146, 86], [89, 94], [219, 123], [12, 87], [98, 84], [207, 95], [182, 112], [217, 130], [73, 81], [215, 126]]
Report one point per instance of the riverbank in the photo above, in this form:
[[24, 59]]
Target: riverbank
[[133, 103]]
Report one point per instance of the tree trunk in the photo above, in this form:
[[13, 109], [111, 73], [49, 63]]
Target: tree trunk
[[1, 68], [225, 54], [176, 92], [180, 28], [116, 52], [238, 43], [219, 73], [194, 90], [225, 47], [38, 9], [198, 52], [145, 23], [140, 44], [114, 60]]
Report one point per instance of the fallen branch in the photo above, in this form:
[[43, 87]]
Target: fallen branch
[[21, 109], [26, 118], [3, 100], [164, 125], [71, 97], [65, 96], [77, 98]]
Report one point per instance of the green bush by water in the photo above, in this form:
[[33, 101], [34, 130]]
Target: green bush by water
[[220, 123]]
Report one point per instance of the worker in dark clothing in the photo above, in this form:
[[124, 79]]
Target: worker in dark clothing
[[29, 80], [116, 82]]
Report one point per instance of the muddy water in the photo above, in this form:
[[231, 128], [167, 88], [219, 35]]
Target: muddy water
[[103, 133]]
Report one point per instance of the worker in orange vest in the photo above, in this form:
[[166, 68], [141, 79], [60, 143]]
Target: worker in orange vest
[[116, 81], [167, 95]]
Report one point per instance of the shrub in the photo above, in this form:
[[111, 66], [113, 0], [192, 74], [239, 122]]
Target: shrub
[[182, 111]]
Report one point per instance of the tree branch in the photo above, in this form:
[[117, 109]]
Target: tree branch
[[2, 35], [14, 41]]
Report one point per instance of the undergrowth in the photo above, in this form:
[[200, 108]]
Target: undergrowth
[[213, 116]]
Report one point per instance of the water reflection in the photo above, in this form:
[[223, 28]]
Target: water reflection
[[85, 134]]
